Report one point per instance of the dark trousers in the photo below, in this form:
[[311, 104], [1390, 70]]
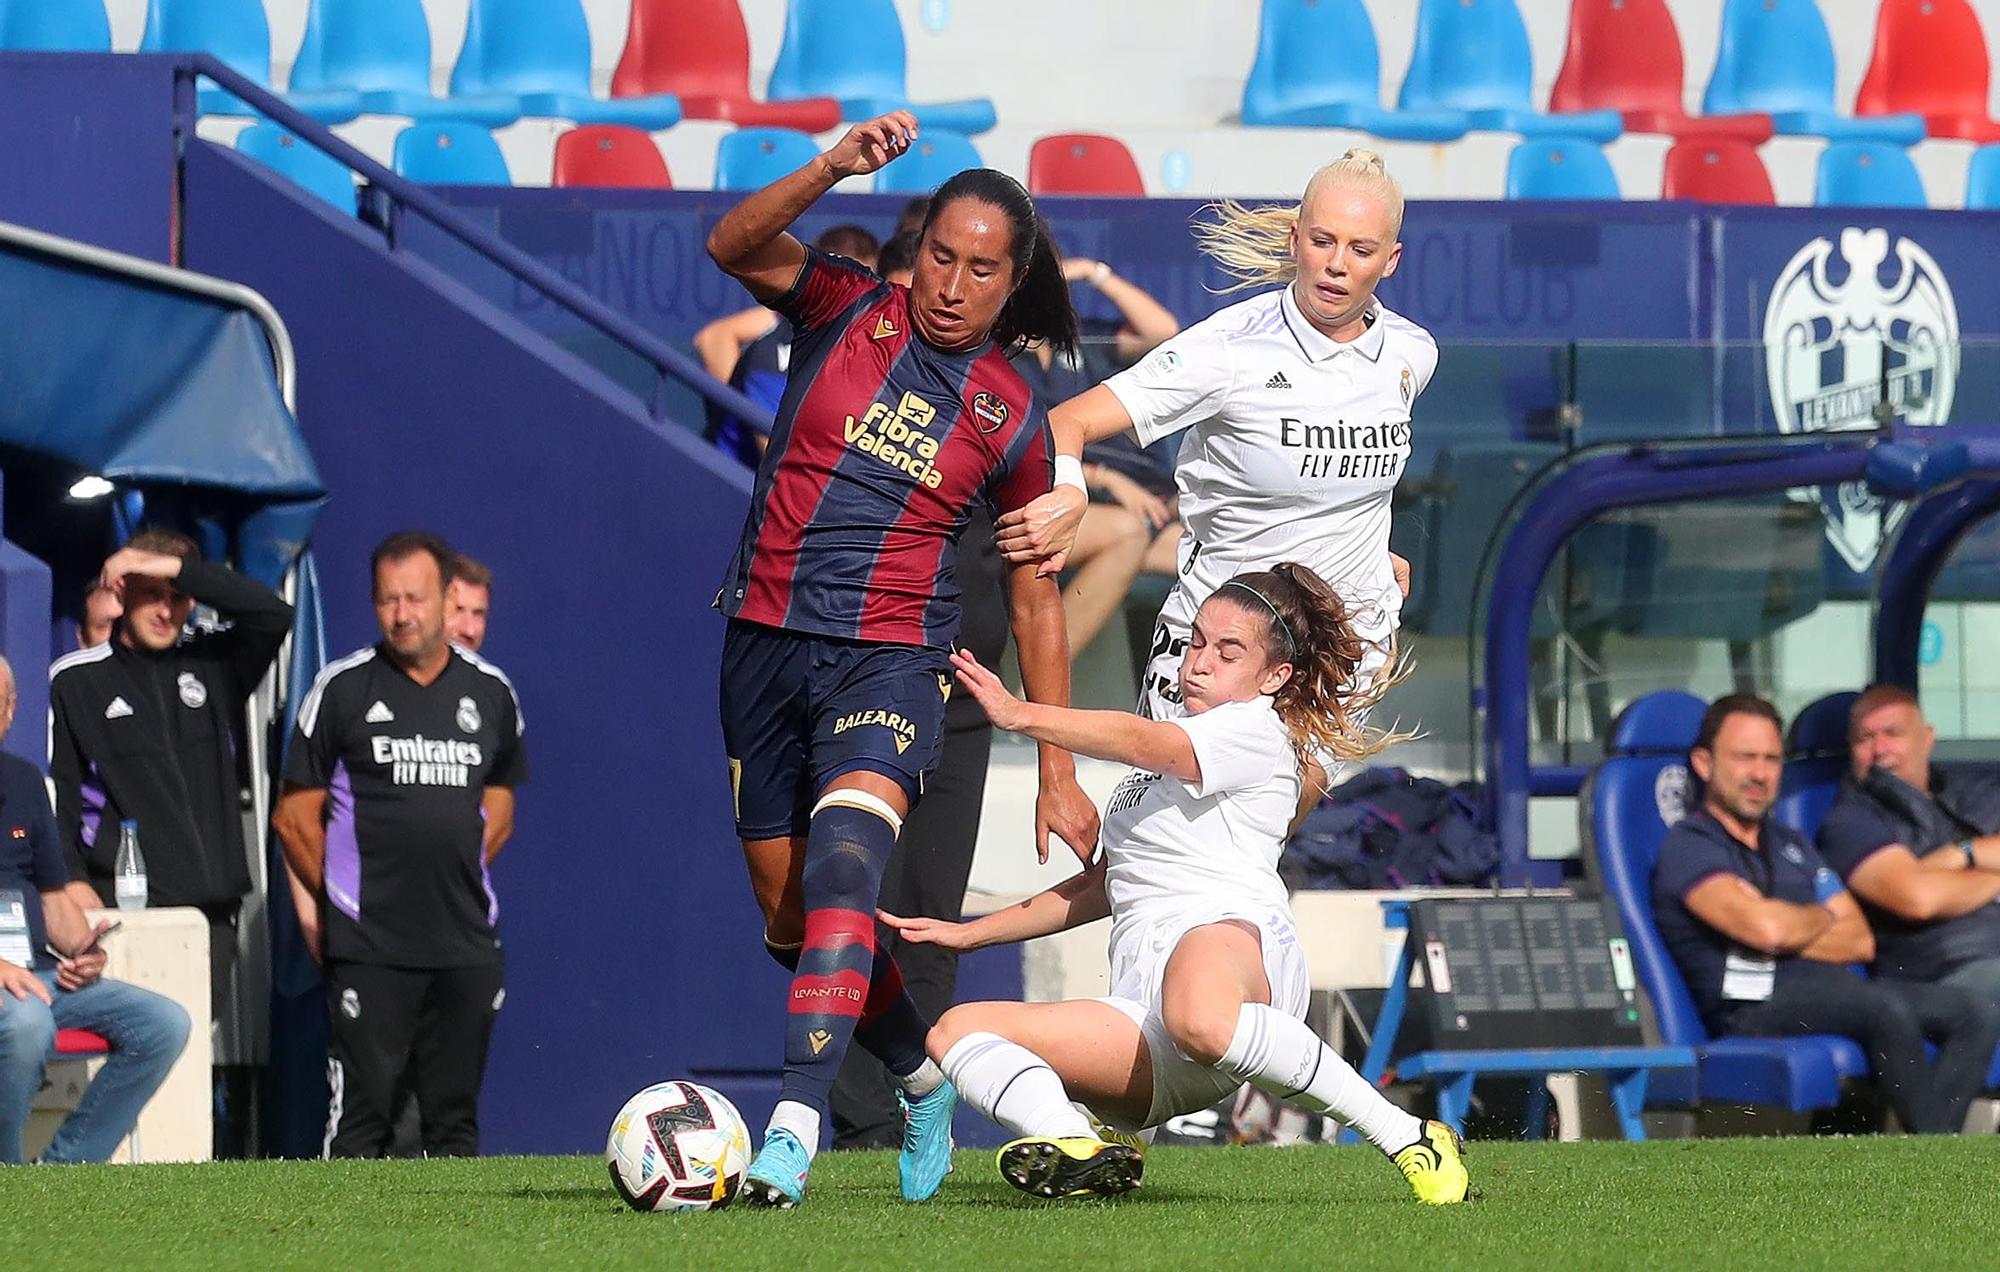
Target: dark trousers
[[926, 877], [433, 1023], [1891, 1020]]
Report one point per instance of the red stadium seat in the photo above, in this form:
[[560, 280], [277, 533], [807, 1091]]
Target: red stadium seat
[[610, 155], [1625, 55], [72, 1043], [1083, 163], [1930, 60], [1717, 170], [700, 51]]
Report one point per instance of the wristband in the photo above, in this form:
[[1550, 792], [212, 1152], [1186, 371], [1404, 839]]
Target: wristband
[[1100, 274], [1971, 861], [1069, 472]]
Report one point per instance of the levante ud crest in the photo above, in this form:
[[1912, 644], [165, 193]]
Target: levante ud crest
[[1832, 346]]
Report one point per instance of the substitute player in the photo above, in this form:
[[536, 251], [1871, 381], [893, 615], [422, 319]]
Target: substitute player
[[1296, 405], [1208, 984], [900, 414]]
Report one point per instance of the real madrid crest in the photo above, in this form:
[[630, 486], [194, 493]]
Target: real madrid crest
[[1408, 386], [1670, 792], [468, 716], [194, 694]]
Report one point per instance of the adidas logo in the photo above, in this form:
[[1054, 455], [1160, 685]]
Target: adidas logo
[[379, 714], [1278, 381], [118, 709]]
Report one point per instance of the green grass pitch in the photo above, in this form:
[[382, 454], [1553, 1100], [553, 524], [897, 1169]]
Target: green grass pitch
[[1898, 1203]]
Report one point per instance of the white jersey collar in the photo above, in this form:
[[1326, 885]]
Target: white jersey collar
[[1318, 346]]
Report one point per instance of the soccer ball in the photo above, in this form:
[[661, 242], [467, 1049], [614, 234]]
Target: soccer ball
[[678, 1146]]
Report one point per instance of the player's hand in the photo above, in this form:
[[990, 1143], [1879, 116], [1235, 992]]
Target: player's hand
[[1402, 572], [22, 983], [1135, 499], [1043, 531], [126, 561], [939, 932], [869, 147], [1002, 708], [1062, 807], [1078, 268]]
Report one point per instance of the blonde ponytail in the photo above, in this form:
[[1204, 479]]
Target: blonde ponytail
[[1254, 245]]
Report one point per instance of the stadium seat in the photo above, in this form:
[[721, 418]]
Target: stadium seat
[[1625, 55], [750, 158], [937, 156], [1982, 179], [610, 155], [77, 1043], [381, 49], [1294, 84], [1930, 60], [853, 50], [1559, 168], [1083, 163], [54, 26], [1473, 55], [1624, 811], [1716, 170], [539, 51], [301, 163], [238, 34], [1815, 760], [1775, 57], [699, 51], [450, 152], [1867, 174]]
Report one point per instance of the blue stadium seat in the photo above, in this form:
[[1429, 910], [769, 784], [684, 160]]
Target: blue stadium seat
[[305, 165], [539, 51], [1473, 56], [1815, 761], [1982, 179], [238, 34], [54, 26], [1559, 168], [1867, 174], [750, 158], [381, 50], [937, 157], [1776, 58], [450, 152], [853, 50], [1623, 809], [1294, 84]]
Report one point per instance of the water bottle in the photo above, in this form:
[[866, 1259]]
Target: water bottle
[[130, 869]]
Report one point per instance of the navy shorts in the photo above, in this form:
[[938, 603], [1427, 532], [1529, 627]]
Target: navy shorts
[[799, 710]]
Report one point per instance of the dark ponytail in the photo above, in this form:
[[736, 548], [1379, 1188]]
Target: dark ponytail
[[1039, 310]]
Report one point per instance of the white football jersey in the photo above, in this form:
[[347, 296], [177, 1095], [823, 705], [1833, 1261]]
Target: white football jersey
[[1168, 843], [1293, 448]]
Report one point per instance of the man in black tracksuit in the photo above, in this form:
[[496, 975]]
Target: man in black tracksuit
[[142, 728]]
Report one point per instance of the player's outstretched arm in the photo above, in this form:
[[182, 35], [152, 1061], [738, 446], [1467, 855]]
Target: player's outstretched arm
[[1077, 900], [1118, 736], [751, 242], [1035, 613], [1042, 532]]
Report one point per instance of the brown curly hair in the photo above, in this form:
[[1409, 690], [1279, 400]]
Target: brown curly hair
[[1306, 624]]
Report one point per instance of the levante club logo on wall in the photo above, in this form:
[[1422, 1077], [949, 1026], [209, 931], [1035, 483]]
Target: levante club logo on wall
[[1888, 330]]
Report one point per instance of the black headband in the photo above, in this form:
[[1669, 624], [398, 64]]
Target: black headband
[[1291, 645]]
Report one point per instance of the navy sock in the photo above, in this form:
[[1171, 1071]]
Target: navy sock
[[847, 851]]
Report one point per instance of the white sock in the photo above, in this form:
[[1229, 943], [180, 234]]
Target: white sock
[[802, 1120], [1278, 1054], [927, 1078], [1013, 1086]]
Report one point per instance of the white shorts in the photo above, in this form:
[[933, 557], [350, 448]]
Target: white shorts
[[1139, 954]]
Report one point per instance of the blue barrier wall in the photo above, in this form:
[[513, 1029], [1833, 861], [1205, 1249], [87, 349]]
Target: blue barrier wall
[[24, 639]]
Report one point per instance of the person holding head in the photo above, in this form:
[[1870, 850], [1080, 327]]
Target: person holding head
[[1766, 936], [399, 792], [1296, 409], [1919, 846], [100, 615], [52, 977], [468, 599], [901, 416], [1208, 983]]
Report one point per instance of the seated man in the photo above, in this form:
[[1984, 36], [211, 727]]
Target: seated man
[[1918, 848], [40, 993], [1764, 933]]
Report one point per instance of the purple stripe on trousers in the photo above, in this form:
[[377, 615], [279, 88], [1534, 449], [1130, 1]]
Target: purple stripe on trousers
[[92, 798], [343, 851]]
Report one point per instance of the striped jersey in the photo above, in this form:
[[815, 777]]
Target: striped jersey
[[881, 447]]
